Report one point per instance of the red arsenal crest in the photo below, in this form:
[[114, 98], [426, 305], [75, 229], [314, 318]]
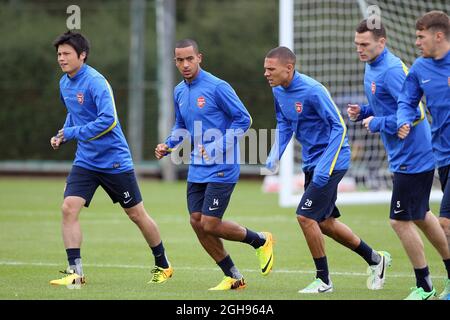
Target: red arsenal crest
[[200, 102], [374, 87], [80, 98], [298, 107]]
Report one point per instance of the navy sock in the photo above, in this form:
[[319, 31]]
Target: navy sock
[[254, 239], [447, 267], [228, 268], [423, 279], [74, 259], [72, 254], [160, 256], [322, 269], [372, 257]]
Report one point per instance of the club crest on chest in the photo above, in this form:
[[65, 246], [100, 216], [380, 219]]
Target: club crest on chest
[[201, 102], [80, 98]]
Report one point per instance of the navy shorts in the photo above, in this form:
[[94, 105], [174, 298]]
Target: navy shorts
[[411, 195], [121, 187], [319, 203], [444, 173], [211, 199]]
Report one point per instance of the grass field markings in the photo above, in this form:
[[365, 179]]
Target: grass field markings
[[130, 266]]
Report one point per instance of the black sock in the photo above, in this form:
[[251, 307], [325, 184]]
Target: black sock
[[228, 268], [160, 256], [372, 257], [423, 279], [254, 239], [447, 267], [74, 259], [322, 269]]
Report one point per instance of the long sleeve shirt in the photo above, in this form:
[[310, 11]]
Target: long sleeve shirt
[[92, 121], [306, 109], [429, 77], [210, 114], [383, 80]]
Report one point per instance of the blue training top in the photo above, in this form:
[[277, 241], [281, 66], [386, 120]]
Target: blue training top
[[92, 120], [429, 77], [383, 80], [306, 108], [209, 113]]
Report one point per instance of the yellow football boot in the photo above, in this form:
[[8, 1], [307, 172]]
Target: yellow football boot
[[265, 254], [229, 283], [161, 275], [70, 280]]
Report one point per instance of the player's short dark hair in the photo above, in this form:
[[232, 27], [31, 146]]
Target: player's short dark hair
[[185, 43], [434, 21], [377, 33], [282, 53], [75, 40]]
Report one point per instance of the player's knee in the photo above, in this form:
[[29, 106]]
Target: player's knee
[[394, 223], [326, 228], [134, 215], [209, 226], [398, 225], [305, 221], [69, 210], [196, 222], [445, 224]]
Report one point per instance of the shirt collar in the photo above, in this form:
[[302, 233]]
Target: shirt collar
[[379, 58], [294, 80], [79, 73], [197, 79], [444, 58]]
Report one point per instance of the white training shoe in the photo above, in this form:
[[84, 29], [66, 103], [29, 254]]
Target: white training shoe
[[377, 273], [318, 286]]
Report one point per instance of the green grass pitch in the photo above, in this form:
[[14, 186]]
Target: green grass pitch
[[117, 261]]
